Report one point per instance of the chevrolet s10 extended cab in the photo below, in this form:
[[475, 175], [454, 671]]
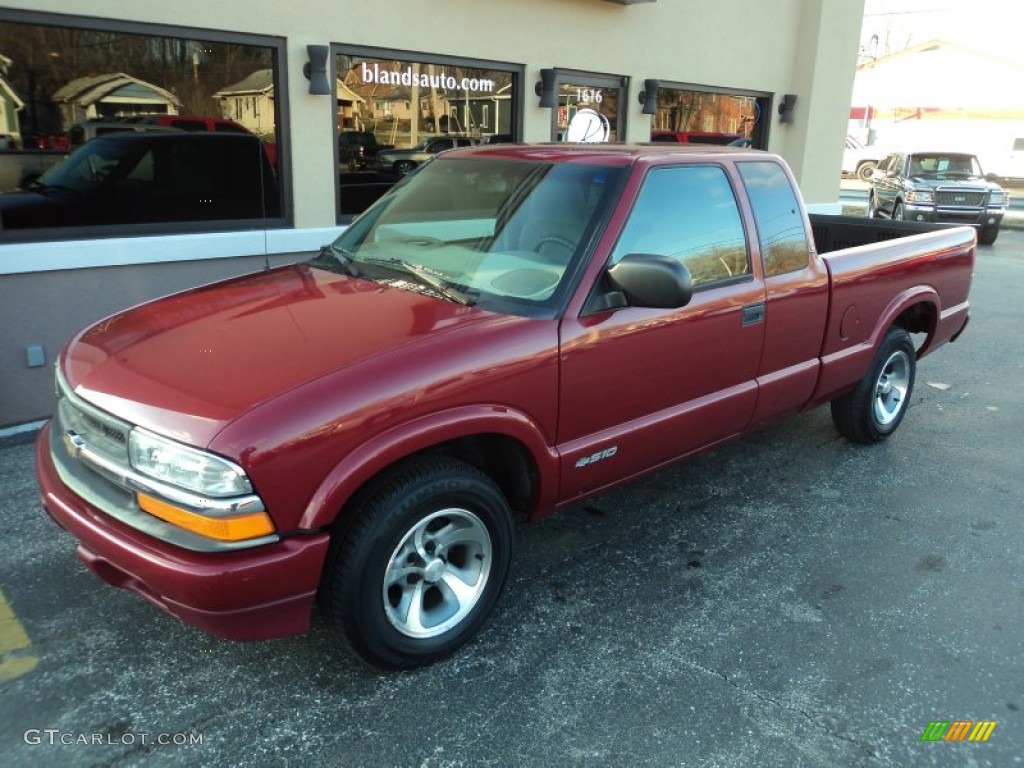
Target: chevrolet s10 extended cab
[[510, 329]]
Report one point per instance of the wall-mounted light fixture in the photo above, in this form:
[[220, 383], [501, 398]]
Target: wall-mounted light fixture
[[315, 70], [649, 97], [545, 88], [786, 107]]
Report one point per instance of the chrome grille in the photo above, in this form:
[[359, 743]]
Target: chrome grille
[[103, 433], [959, 198]]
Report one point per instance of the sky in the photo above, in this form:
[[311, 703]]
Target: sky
[[994, 26]]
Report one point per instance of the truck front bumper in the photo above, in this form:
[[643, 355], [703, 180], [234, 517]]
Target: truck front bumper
[[247, 594], [990, 217]]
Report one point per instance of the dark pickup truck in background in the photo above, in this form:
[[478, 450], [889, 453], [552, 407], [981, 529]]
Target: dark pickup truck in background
[[357, 148], [944, 187], [149, 177], [508, 331]]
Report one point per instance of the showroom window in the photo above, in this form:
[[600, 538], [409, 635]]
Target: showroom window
[[709, 116], [588, 107], [112, 128], [396, 110]]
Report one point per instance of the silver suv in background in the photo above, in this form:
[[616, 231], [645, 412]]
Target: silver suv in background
[[401, 161]]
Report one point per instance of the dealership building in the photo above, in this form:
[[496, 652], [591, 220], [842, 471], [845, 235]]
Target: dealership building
[[346, 98]]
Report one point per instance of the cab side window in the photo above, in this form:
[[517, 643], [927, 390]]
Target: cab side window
[[778, 215], [689, 213]]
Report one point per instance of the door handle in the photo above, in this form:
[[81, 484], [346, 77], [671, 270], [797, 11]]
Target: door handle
[[753, 313]]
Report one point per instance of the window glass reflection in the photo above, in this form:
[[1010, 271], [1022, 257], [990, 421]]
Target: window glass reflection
[[393, 115], [780, 223], [64, 87], [690, 214]]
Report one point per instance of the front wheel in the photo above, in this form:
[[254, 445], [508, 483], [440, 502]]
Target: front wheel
[[420, 564], [402, 167], [876, 406], [897, 212], [988, 235]]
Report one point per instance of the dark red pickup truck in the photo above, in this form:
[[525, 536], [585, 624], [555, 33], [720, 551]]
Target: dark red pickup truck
[[510, 329]]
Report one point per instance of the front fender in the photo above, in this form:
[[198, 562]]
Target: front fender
[[387, 448]]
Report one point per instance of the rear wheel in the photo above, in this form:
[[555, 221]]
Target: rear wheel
[[876, 406], [416, 572], [865, 170]]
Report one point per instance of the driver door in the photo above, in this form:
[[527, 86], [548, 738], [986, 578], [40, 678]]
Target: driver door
[[641, 386]]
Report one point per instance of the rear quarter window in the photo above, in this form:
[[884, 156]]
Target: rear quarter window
[[778, 215]]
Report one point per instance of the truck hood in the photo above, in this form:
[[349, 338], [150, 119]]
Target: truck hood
[[974, 183], [188, 364]]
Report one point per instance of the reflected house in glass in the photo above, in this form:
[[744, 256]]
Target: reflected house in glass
[[112, 94], [10, 104], [250, 102]]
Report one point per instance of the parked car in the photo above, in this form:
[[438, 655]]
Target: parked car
[[147, 178], [204, 124], [401, 161], [938, 186], [860, 161], [1010, 166], [356, 149], [195, 123], [513, 329], [82, 132], [19, 167], [694, 137]]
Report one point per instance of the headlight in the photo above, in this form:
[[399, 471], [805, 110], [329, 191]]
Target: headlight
[[995, 198], [179, 465], [920, 196]]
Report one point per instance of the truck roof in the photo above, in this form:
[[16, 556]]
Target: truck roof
[[610, 154]]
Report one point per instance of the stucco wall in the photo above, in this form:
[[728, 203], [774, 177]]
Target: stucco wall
[[804, 47]]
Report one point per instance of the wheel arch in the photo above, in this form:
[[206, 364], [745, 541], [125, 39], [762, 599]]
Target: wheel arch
[[916, 310], [503, 444]]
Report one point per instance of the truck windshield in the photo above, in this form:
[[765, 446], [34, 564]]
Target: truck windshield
[[501, 234], [944, 165], [88, 167]]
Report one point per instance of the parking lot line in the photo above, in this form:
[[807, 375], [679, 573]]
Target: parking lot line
[[13, 639]]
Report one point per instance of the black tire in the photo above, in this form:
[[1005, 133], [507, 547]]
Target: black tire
[[402, 167], [897, 211], [988, 235], [865, 170], [877, 405], [423, 528]]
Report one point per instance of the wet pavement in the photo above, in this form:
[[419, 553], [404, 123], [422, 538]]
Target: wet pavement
[[787, 599]]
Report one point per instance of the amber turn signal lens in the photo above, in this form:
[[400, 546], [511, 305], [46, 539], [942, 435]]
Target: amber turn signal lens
[[234, 528]]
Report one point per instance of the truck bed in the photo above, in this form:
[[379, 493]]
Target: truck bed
[[884, 273]]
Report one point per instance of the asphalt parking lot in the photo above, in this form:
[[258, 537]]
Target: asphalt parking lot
[[788, 599]]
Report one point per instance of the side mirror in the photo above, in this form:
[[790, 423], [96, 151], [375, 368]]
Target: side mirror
[[649, 280], [992, 177]]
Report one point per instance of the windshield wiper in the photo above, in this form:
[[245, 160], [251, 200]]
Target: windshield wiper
[[329, 255], [427, 276]]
